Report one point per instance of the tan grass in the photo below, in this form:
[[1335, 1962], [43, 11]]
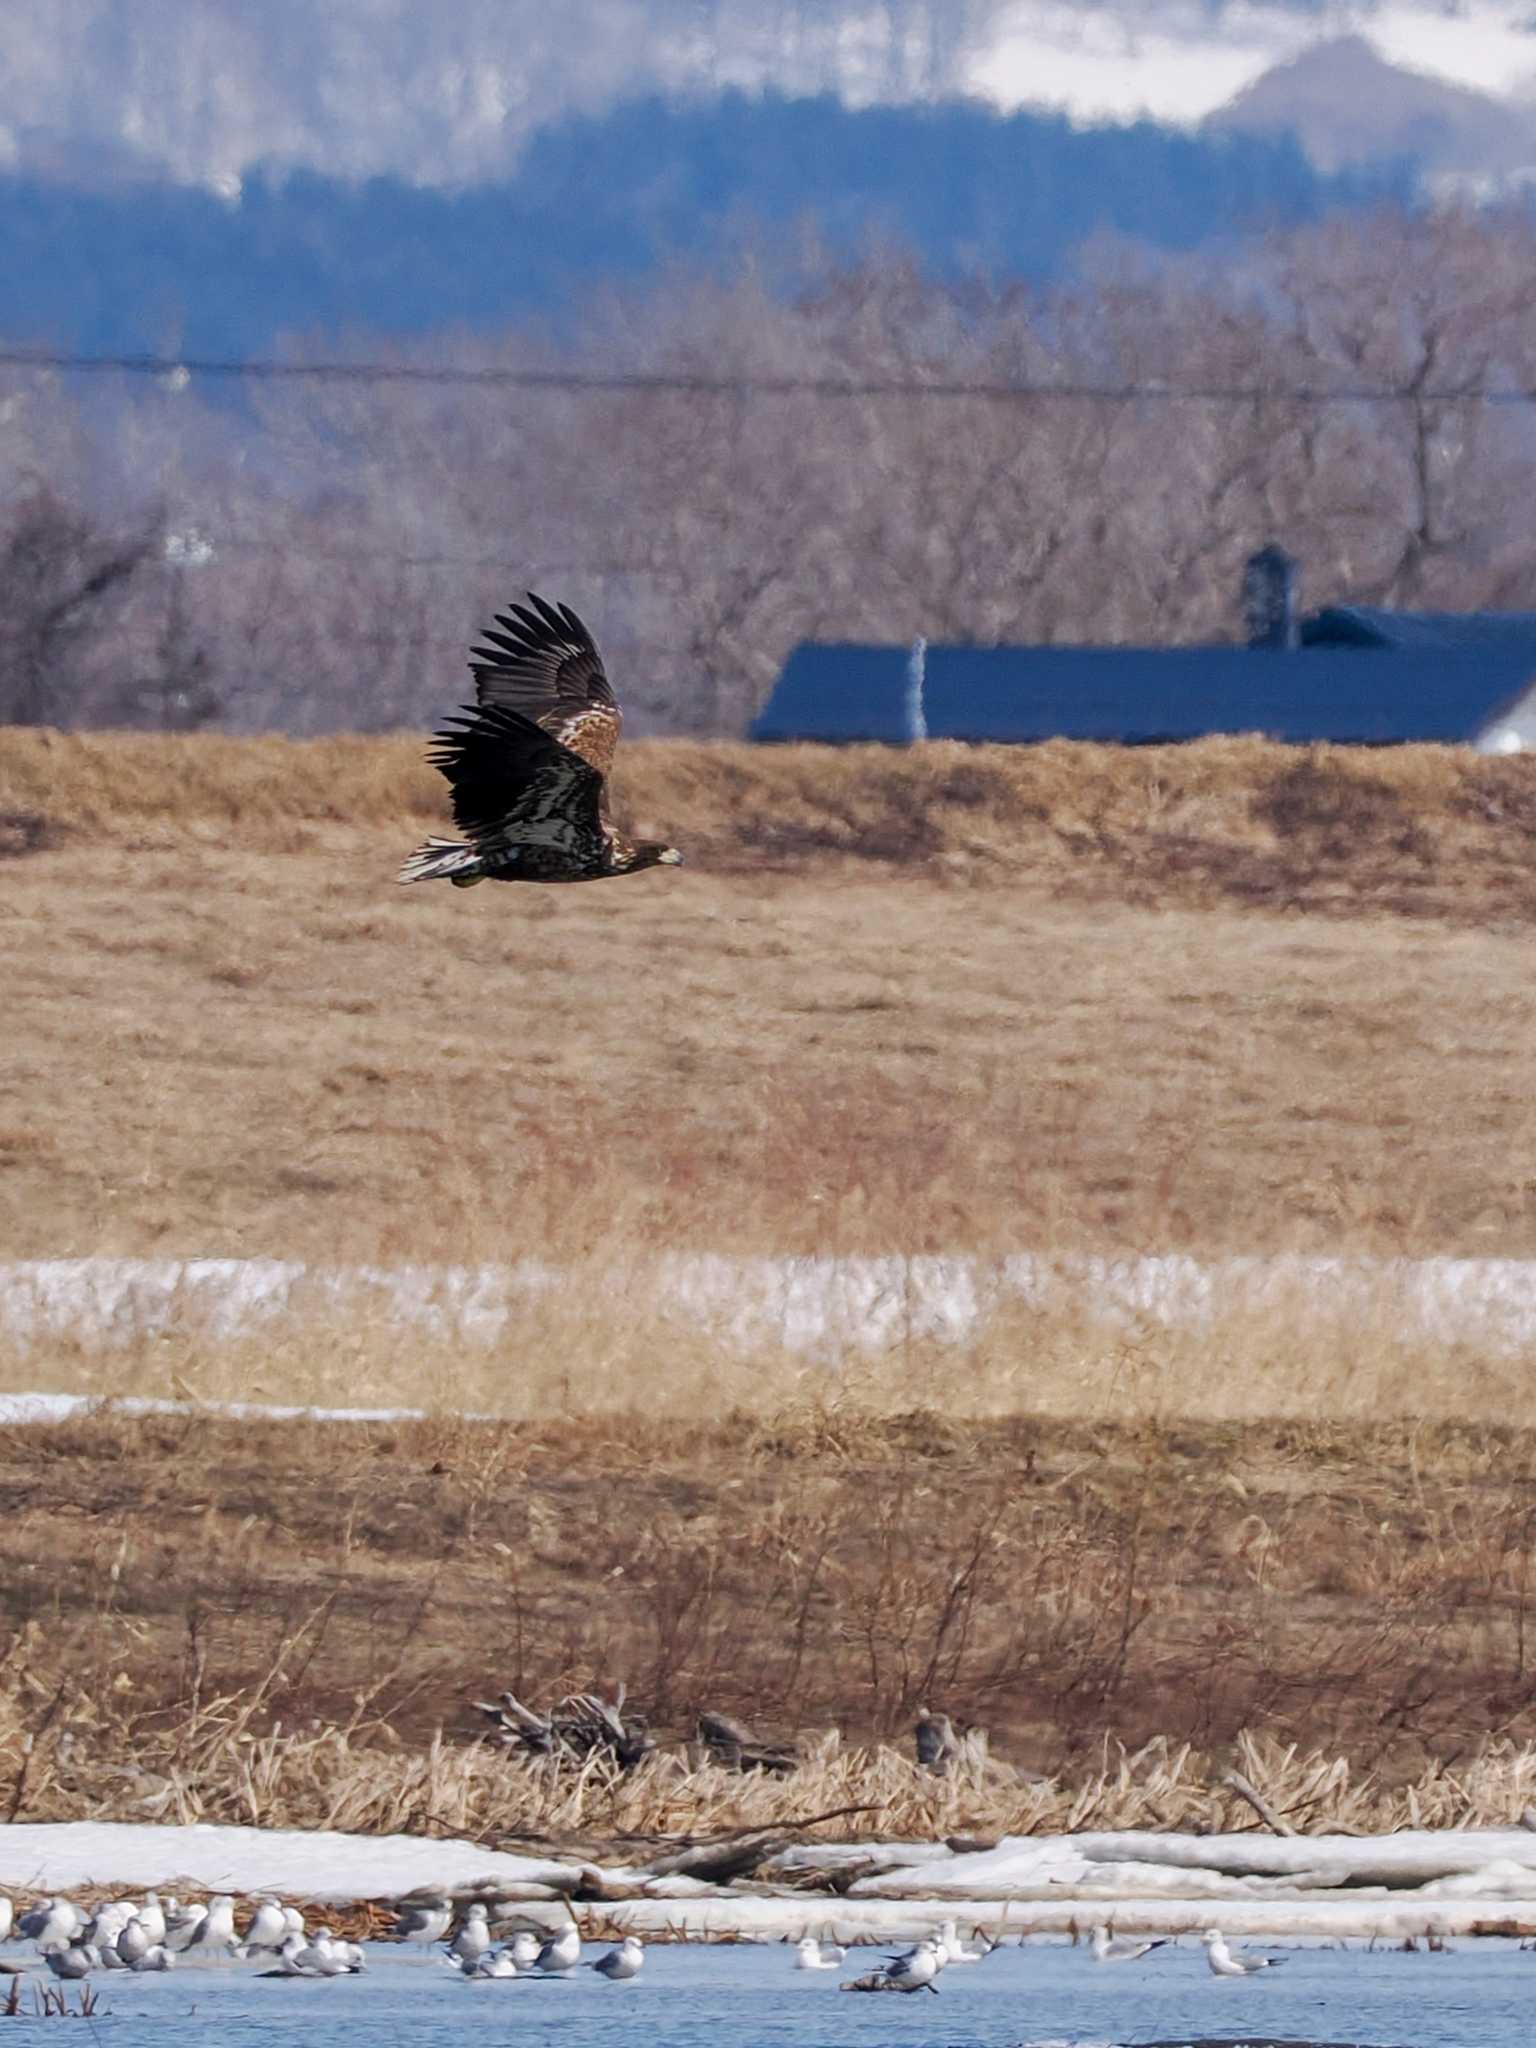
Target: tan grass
[[1231, 999], [176, 1585]]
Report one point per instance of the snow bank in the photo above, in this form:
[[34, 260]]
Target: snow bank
[[1382, 1888], [806, 1304], [59, 1856], [1481, 1862]]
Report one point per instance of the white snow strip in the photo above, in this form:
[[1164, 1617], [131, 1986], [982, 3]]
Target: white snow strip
[[811, 1305], [1489, 1892], [1034, 1866], [20, 1408], [58, 1856]]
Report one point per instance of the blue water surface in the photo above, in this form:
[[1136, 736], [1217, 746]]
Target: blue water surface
[[750, 1996]]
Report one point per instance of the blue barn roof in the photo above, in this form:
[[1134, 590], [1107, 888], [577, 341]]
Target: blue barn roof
[[1360, 675]]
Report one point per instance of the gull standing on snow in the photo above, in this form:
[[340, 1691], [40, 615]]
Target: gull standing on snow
[[811, 1954], [426, 1920], [622, 1963], [916, 1970], [1122, 1948], [1224, 1964], [558, 1957]]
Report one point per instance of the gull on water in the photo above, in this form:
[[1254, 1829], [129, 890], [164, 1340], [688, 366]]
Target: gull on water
[[473, 1937], [74, 1962], [109, 1920], [182, 1924], [1224, 1964], [1122, 1948], [494, 1963], [6, 1910], [54, 1921], [916, 1970], [954, 1950], [525, 1949], [557, 1958], [811, 1954], [621, 1963], [268, 1930], [157, 1958], [151, 1917], [216, 1928], [133, 1942], [426, 1920]]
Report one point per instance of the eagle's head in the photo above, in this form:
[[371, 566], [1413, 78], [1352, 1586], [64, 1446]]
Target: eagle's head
[[652, 853]]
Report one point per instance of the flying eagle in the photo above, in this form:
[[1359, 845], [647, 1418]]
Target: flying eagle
[[528, 763]]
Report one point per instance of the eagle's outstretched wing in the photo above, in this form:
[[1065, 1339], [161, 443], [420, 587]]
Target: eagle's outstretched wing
[[544, 663], [514, 785]]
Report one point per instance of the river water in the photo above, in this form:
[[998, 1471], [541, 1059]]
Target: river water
[[1481, 1996]]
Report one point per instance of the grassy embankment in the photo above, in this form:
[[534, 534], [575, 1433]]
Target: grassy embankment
[[1221, 998]]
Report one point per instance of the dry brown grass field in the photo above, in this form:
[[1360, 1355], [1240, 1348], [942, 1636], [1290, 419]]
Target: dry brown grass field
[[1223, 998]]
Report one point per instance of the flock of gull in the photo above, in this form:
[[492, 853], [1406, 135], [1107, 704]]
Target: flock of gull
[[917, 1968], [150, 1935]]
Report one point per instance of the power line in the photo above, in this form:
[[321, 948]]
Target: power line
[[181, 369]]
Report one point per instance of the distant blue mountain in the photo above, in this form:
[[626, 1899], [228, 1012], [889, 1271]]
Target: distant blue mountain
[[606, 199]]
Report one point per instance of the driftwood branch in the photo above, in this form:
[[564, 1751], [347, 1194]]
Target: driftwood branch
[[1236, 1782]]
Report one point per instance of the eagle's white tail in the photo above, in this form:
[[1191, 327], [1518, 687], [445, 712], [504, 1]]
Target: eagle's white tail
[[443, 859]]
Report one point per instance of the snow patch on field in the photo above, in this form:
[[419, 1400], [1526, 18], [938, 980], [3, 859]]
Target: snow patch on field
[[812, 1305]]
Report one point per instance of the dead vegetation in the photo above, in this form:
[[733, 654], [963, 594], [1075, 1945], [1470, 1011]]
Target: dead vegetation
[[290, 1624], [1108, 1050], [1221, 999], [1347, 831]]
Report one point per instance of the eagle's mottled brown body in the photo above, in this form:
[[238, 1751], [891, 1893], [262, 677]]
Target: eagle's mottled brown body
[[528, 762]]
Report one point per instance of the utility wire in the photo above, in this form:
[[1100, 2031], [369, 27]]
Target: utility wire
[[181, 369]]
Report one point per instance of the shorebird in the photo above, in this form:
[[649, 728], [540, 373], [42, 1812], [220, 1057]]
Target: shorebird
[[811, 1954], [1224, 1964], [1122, 1948], [558, 1957], [425, 1920], [916, 1970], [621, 1963]]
